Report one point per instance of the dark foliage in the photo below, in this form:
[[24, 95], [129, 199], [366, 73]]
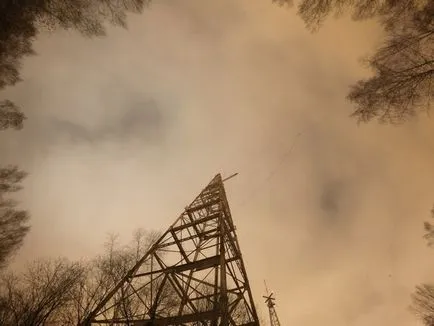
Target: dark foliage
[[13, 221], [403, 66], [10, 116]]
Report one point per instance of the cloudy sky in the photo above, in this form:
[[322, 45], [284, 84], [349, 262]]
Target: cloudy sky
[[125, 130]]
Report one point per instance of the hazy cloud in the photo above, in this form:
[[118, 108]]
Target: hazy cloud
[[125, 130], [330, 200], [138, 120]]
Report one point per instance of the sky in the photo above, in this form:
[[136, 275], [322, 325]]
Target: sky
[[124, 131]]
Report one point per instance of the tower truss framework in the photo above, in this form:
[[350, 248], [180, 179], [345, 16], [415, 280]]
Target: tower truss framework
[[269, 300], [193, 274]]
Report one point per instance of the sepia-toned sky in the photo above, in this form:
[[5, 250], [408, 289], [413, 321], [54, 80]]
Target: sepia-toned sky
[[124, 131]]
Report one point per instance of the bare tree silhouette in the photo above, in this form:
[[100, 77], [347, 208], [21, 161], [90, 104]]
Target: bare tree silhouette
[[423, 297], [22, 20], [403, 66], [60, 292], [34, 297], [423, 303], [100, 275]]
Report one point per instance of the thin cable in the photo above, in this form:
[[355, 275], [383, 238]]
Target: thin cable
[[273, 172]]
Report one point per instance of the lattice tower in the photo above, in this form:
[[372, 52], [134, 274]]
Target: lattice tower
[[193, 274]]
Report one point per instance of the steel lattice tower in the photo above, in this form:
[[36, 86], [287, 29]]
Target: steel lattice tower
[[192, 275], [269, 300]]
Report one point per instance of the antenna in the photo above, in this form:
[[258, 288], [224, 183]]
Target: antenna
[[230, 177], [269, 300], [266, 288]]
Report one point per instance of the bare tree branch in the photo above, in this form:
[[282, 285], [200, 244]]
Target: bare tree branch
[[403, 66]]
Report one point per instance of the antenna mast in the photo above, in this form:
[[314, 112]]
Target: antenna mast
[[269, 300]]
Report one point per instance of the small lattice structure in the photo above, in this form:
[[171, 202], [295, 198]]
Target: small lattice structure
[[269, 300]]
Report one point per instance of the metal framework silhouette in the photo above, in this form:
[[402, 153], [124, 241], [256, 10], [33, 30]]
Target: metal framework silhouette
[[193, 274], [269, 300]]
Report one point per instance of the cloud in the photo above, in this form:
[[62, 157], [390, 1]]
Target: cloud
[[330, 200], [142, 121], [125, 130]]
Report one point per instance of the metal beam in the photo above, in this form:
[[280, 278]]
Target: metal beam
[[196, 265]]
